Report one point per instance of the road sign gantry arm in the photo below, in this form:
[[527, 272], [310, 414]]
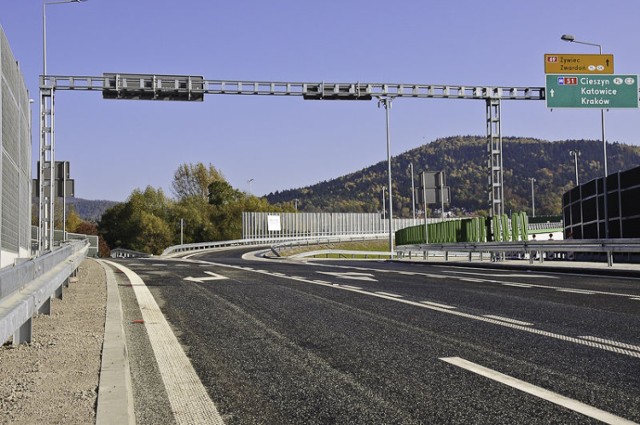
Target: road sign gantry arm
[[168, 87]]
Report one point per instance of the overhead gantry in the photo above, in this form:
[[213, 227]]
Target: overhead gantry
[[193, 88]]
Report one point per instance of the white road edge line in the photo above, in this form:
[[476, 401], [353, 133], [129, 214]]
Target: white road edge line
[[189, 400], [539, 392]]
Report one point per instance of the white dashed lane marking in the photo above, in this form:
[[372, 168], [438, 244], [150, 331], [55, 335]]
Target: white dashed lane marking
[[536, 391]]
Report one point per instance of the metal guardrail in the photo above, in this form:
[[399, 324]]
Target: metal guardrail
[[26, 289], [276, 243], [201, 246], [325, 240], [608, 247]]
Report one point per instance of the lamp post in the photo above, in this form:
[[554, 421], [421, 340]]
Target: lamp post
[[52, 168], [386, 102], [413, 192], [249, 183], [44, 29], [575, 154], [533, 197], [571, 39]]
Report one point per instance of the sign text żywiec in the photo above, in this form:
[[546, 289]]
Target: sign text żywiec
[[558, 63]]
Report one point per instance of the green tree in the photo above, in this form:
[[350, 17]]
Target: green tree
[[141, 223], [222, 193]]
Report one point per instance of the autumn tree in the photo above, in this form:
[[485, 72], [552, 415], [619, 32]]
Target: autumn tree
[[193, 180]]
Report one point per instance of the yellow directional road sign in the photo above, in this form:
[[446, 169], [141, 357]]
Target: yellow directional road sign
[[560, 63]]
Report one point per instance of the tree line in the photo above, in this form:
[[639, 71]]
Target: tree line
[[149, 220]]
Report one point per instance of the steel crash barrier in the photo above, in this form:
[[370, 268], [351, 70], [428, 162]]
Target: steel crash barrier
[[606, 249], [276, 244], [26, 288]]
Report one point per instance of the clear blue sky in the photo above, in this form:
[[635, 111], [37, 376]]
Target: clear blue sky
[[281, 143]]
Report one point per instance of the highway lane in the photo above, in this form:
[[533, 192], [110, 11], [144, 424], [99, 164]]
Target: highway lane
[[379, 342]]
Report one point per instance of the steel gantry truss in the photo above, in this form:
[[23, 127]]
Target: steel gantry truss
[[193, 88]]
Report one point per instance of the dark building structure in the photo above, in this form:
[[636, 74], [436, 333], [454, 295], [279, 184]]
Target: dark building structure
[[584, 210]]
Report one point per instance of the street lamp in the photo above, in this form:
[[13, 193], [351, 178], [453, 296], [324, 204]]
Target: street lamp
[[249, 183], [575, 154], [386, 102], [52, 168], [571, 39], [533, 198], [413, 192], [44, 29]]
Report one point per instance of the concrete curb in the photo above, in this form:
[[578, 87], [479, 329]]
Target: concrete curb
[[115, 393]]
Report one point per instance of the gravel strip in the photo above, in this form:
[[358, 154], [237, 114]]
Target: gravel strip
[[55, 379]]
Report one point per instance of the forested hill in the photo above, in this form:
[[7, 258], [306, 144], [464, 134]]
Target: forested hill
[[90, 210], [465, 162]]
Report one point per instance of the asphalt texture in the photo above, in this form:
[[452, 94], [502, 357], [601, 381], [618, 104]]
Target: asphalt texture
[[351, 342]]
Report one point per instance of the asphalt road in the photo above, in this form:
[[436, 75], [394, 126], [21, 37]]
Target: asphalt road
[[354, 342]]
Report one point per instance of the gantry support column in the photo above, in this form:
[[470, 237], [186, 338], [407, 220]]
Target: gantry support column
[[494, 148], [47, 170]]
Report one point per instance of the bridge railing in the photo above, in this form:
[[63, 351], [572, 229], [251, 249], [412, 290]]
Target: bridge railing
[[26, 288], [528, 249]]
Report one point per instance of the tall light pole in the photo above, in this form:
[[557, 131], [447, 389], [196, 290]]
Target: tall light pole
[[533, 197], [413, 192], [52, 168], [44, 29], [386, 102], [572, 39], [249, 183], [575, 154]]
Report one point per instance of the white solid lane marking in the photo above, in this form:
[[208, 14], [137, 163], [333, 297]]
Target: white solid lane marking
[[448, 307], [539, 392], [508, 320], [518, 285], [351, 287], [610, 342], [189, 400], [575, 291], [389, 294]]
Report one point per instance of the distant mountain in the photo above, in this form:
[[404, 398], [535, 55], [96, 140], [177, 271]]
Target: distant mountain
[[90, 210], [465, 162]]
